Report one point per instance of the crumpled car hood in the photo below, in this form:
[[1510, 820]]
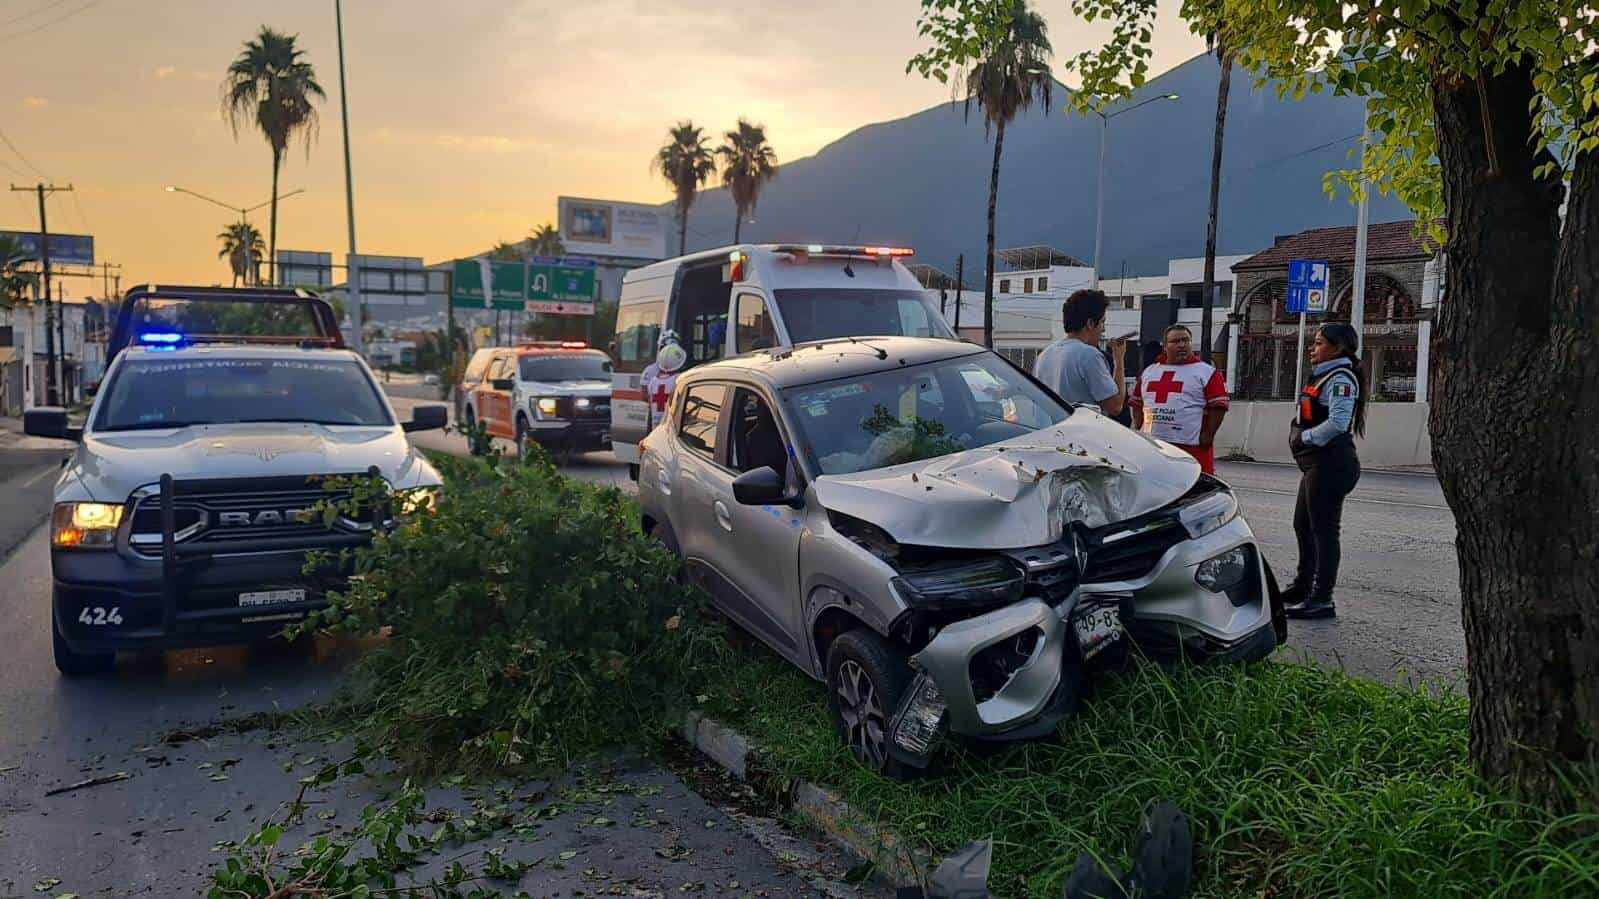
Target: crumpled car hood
[[1019, 492]]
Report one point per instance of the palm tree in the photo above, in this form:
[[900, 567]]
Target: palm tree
[[242, 248], [1225, 55], [748, 162], [508, 252], [546, 241], [272, 87], [686, 164], [14, 282], [1013, 72]]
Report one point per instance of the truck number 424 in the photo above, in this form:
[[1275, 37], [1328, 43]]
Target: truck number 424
[[99, 616]]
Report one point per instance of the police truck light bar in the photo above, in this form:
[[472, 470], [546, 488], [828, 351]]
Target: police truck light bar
[[160, 337]]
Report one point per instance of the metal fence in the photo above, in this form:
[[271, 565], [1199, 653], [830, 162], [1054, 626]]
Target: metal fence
[[1268, 341]]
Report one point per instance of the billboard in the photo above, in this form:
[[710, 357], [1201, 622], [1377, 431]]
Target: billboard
[[305, 268], [65, 249], [609, 228]]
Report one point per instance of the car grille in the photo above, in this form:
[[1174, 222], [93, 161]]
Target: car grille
[[1129, 553], [231, 520], [599, 408]]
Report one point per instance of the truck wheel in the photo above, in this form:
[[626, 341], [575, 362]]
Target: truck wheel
[[77, 664], [866, 679]]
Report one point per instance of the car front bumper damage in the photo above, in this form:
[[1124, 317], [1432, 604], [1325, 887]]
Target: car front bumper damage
[[1170, 614]]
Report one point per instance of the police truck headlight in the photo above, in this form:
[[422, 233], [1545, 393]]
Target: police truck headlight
[[544, 407], [1209, 514], [85, 525]]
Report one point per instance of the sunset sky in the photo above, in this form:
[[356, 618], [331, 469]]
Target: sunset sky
[[468, 118]]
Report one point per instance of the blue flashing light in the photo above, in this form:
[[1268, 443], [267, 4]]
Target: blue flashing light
[[162, 337]]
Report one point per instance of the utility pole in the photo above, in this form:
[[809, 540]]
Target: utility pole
[[51, 380], [960, 273], [353, 265], [1357, 295], [61, 342]]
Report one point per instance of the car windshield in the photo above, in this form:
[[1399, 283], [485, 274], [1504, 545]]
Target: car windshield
[[919, 412], [825, 313], [146, 394], [569, 367]]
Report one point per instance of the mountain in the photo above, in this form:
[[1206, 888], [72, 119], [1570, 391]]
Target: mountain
[[922, 181]]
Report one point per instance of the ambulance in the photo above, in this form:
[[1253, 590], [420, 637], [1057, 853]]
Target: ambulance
[[698, 308]]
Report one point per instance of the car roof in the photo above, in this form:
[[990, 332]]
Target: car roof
[[237, 351], [841, 357]]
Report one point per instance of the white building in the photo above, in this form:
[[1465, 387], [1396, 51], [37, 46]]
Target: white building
[[1029, 293], [22, 335]]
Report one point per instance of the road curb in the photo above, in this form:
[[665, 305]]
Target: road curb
[[896, 860]]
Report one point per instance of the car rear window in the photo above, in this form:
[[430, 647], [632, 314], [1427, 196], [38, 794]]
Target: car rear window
[[823, 313], [146, 394]]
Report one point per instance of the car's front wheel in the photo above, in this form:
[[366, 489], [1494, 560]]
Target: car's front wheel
[[79, 664], [865, 680]]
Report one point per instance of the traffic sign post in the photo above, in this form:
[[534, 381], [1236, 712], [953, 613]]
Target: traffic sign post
[[1307, 294]]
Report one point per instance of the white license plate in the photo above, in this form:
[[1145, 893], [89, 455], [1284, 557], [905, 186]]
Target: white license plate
[[271, 597], [1097, 627]]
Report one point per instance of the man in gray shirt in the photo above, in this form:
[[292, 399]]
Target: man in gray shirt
[[1074, 367]]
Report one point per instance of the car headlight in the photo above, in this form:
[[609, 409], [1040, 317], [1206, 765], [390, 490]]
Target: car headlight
[[544, 407], [418, 499], [85, 525], [986, 581], [1208, 514]]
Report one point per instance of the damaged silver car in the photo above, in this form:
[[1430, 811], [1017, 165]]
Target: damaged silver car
[[941, 540]]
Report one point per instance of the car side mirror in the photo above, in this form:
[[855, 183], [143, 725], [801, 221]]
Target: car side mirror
[[761, 487], [49, 421], [427, 418], [502, 383]]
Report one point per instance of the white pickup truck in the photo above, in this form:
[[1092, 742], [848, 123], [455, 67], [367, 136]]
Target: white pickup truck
[[182, 518]]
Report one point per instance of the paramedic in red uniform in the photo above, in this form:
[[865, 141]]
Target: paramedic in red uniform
[[1181, 399]]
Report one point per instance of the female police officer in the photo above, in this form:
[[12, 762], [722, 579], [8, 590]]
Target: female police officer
[[1332, 410]]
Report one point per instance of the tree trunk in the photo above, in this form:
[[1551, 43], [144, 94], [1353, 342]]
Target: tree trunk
[[682, 227], [272, 241], [1512, 416], [1223, 87], [988, 270], [738, 221]]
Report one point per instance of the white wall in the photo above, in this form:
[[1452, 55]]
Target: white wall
[[1396, 433]]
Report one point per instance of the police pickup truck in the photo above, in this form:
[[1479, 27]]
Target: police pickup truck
[[224, 424]]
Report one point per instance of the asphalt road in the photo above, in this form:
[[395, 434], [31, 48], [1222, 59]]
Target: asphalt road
[[183, 786]]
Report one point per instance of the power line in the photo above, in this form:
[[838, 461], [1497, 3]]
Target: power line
[[28, 15], [24, 159], [42, 26]]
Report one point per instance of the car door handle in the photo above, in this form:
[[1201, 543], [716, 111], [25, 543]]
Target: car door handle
[[723, 517]]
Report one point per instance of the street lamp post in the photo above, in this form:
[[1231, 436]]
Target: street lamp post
[[1099, 213], [243, 211]]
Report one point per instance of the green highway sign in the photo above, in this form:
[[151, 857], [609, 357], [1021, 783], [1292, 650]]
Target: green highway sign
[[509, 285], [553, 280]]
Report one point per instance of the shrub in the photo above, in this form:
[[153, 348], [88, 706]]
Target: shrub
[[529, 620]]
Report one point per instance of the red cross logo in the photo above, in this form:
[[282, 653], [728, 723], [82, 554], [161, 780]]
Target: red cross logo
[[660, 397], [1166, 386]]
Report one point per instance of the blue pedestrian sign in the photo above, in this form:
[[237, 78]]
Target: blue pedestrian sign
[[1307, 286]]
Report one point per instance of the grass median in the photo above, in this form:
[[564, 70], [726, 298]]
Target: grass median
[[1301, 782]]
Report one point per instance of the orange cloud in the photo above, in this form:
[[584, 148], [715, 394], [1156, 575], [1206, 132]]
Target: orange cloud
[[34, 102]]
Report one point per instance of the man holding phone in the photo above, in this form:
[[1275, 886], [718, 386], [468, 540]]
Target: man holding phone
[[1073, 366]]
